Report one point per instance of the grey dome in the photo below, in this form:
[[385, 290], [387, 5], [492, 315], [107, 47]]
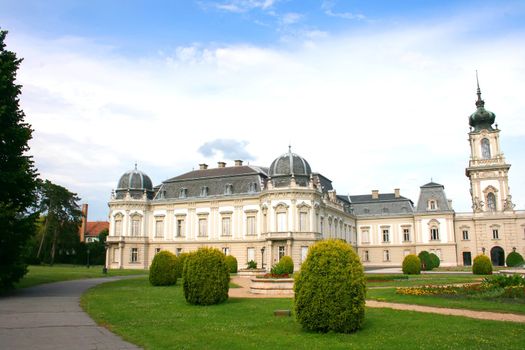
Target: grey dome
[[135, 180], [290, 164]]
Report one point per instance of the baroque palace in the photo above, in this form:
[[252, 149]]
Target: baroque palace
[[261, 214]]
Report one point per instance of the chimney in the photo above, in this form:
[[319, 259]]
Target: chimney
[[450, 204], [238, 162], [396, 193], [375, 194], [83, 222], [221, 164], [203, 166]]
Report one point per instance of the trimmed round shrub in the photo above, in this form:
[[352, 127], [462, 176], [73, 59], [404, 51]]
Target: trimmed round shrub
[[330, 289], [435, 260], [180, 264], [232, 263], [162, 271], [482, 265], [426, 261], [514, 259], [206, 277], [283, 267], [411, 265]]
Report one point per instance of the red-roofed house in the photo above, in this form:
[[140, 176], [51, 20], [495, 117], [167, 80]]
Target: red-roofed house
[[89, 230]]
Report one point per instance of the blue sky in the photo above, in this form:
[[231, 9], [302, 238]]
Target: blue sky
[[374, 94]]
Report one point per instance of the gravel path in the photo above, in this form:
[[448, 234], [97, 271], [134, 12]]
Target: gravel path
[[244, 292], [49, 316]]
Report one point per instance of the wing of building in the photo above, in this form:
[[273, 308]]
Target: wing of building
[[264, 213]]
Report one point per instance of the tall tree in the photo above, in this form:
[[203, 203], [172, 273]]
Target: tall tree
[[17, 173], [62, 219]]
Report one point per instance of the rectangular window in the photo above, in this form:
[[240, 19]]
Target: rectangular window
[[304, 253], [204, 191], [321, 224], [203, 227], [432, 205], [406, 235], [118, 227], [183, 193], [159, 228], [366, 257], [386, 255], [303, 221], [386, 235], [495, 233], [180, 228], [281, 222], [365, 236], [157, 250], [225, 250], [134, 255], [135, 227], [465, 235], [250, 254], [250, 225], [281, 251], [178, 251], [406, 252], [226, 226], [115, 255], [434, 234]]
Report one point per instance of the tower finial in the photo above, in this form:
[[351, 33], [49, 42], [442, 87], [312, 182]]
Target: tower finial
[[289, 148], [479, 102], [135, 165]]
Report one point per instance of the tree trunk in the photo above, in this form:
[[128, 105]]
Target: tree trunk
[[43, 237], [54, 245]]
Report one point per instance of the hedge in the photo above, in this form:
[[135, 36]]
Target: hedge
[[283, 267], [206, 277], [411, 265], [426, 261], [330, 289], [514, 259], [482, 265], [162, 271], [232, 263], [435, 260]]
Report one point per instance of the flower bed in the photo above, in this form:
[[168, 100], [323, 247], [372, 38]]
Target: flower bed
[[272, 286]]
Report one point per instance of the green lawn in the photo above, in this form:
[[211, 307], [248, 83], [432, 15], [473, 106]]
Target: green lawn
[[46, 274], [159, 318], [459, 302]]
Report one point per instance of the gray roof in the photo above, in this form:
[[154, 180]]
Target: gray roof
[[288, 164], [432, 191], [134, 179], [218, 182], [385, 205]]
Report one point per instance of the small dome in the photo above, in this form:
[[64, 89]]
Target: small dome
[[135, 180], [481, 118], [290, 164]]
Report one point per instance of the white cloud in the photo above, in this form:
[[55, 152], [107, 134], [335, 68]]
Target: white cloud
[[328, 5], [370, 110], [240, 6]]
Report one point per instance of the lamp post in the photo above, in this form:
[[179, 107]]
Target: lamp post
[[105, 268]]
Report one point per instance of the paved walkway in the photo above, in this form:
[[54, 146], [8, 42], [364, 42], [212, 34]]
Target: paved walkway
[[49, 316], [244, 292]]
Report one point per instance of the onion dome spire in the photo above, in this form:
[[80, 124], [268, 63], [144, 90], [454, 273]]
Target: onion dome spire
[[481, 119]]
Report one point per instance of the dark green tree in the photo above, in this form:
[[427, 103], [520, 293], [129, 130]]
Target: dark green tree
[[62, 219], [17, 173]]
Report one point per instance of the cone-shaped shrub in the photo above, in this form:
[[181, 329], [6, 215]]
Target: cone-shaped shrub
[[435, 260], [162, 271], [330, 289], [426, 261], [514, 259], [232, 263], [482, 265], [180, 264], [206, 277], [411, 265]]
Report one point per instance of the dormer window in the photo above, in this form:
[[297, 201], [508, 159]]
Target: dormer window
[[183, 193], [204, 191], [432, 204], [366, 211], [228, 189], [252, 187]]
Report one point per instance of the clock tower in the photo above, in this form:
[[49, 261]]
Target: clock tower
[[487, 170]]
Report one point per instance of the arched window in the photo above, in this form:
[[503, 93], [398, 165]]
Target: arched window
[[485, 148], [433, 227], [491, 201]]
